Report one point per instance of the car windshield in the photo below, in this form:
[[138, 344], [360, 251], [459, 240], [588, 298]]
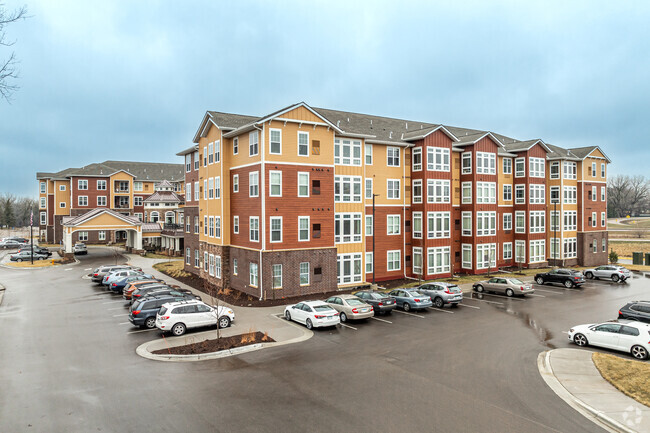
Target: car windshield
[[162, 311], [355, 302], [322, 308], [515, 281]]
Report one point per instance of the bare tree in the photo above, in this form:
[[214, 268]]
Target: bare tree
[[639, 191], [618, 189], [8, 69]]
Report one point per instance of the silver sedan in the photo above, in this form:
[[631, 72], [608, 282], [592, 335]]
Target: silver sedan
[[505, 285], [350, 307]]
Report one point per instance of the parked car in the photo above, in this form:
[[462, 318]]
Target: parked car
[[143, 291], [410, 299], [118, 275], [624, 335], [143, 312], [442, 293], [350, 307], [380, 302], [133, 285], [10, 243], [118, 285], [17, 239], [567, 277], [504, 285], [313, 314], [636, 310], [98, 274], [79, 248], [168, 291], [36, 249], [27, 255], [177, 317], [611, 272]]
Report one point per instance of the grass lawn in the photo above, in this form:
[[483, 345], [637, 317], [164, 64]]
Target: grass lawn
[[625, 249], [37, 264], [173, 269], [637, 223], [630, 377], [159, 256]]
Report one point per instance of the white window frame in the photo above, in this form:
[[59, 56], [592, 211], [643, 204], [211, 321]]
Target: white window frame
[[507, 166], [253, 143], [392, 257], [570, 248], [436, 255], [537, 194], [354, 147], [438, 159], [301, 176], [273, 173], [416, 159], [554, 165], [520, 216], [304, 273], [486, 163], [435, 186], [536, 167], [491, 250], [217, 187], [417, 260], [102, 200], [369, 225], [367, 149], [271, 230], [390, 189], [569, 170], [466, 198], [507, 192], [417, 218], [235, 183], [520, 167], [537, 221], [486, 192], [353, 221], [302, 134], [368, 190], [300, 220], [520, 194], [353, 184], [486, 224], [253, 274], [392, 222], [101, 183], [416, 196], [370, 262], [537, 251], [83, 182], [466, 249], [507, 251], [466, 224], [466, 163], [254, 184], [82, 200], [235, 224], [271, 141], [507, 221], [391, 158], [570, 221], [254, 229], [235, 146], [438, 225]]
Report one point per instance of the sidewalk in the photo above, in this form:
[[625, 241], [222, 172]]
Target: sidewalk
[[572, 375]]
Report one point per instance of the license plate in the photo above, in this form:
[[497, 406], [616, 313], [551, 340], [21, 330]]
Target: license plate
[[365, 310]]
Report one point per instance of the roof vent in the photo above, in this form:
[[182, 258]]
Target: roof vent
[[348, 120], [145, 170], [390, 135], [407, 125], [371, 121], [338, 122]]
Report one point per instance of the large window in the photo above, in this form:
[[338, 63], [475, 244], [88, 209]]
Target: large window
[[394, 261], [82, 184], [303, 228], [101, 185], [554, 223], [507, 192], [417, 191], [554, 248], [467, 256], [253, 275], [537, 194], [347, 228], [417, 225], [349, 268], [253, 184], [507, 250], [303, 184], [537, 251], [520, 251], [486, 223], [486, 256], [466, 163], [437, 159], [393, 223], [486, 163], [304, 273], [347, 152], [486, 192], [537, 221], [467, 224], [570, 220], [393, 188], [520, 167], [417, 260], [392, 156], [555, 170], [438, 260], [347, 189], [570, 170], [537, 167], [417, 159], [82, 200], [438, 191], [254, 229], [438, 225], [276, 229], [303, 143], [507, 221], [520, 222], [275, 180], [253, 144], [520, 194], [277, 277], [101, 200], [467, 192], [275, 141], [570, 195], [507, 165], [570, 248], [555, 194]]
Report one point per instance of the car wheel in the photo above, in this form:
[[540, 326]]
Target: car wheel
[[568, 284], [150, 323], [589, 275], [343, 317], [615, 278], [309, 324], [19, 260], [580, 340], [479, 288], [438, 302], [407, 306], [287, 315], [178, 329], [223, 322], [509, 293], [639, 352], [540, 281]]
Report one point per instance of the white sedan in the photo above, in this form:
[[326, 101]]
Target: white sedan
[[313, 314], [625, 335]]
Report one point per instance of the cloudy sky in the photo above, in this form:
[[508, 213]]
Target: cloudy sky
[[131, 80]]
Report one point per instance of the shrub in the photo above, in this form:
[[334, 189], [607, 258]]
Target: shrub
[[613, 257]]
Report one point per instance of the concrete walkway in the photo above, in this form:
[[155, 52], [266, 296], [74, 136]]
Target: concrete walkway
[[573, 376]]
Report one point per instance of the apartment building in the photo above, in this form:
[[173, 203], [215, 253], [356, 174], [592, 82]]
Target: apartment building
[[142, 192], [308, 199]]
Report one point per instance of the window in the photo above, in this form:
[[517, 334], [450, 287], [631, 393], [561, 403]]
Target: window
[[537, 167], [555, 170], [303, 143], [205, 156], [602, 193], [211, 188], [438, 191], [304, 273], [595, 246], [210, 154], [555, 194], [393, 188], [82, 200], [392, 156], [211, 231], [276, 229], [604, 245], [570, 220], [594, 220], [466, 224], [507, 250], [235, 268], [520, 194], [275, 141], [217, 266], [101, 235], [417, 159], [43, 187], [368, 153], [507, 165], [42, 203], [466, 163], [347, 152], [417, 225], [467, 192], [602, 170], [187, 224], [486, 163], [369, 188], [275, 179], [235, 224], [520, 251], [438, 225], [520, 222], [196, 160], [507, 192], [555, 252], [217, 187], [570, 195], [467, 256], [537, 251], [369, 225], [393, 223], [520, 167], [594, 193], [486, 256], [235, 183], [603, 219], [101, 185], [188, 191], [369, 263], [205, 261], [416, 188], [593, 169], [253, 145], [303, 228], [188, 164], [61, 187], [394, 260], [197, 195], [438, 260], [349, 268], [196, 225], [62, 204], [205, 189], [555, 221], [486, 223], [570, 170], [486, 192], [254, 229], [235, 146], [437, 159], [217, 227], [303, 184], [253, 184], [347, 227], [253, 274], [570, 248], [537, 194], [101, 200], [43, 218], [507, 221], [417, 260], [211, 261], [537, 221], [347, 189], [83, 236], [82, 184], [277, 277]]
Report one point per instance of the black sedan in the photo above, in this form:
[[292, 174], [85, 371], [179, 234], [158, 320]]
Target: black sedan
[[37, 249], [380, 302], [636, 310], [568, 277], [27, 255]]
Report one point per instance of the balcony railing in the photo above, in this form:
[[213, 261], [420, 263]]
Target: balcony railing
[[121, 191], [171, 226]]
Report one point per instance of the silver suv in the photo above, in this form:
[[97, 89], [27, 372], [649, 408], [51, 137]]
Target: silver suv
[[613, 272], [177, 317], [442, 293]]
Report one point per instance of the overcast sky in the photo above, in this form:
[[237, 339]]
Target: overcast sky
[[127, 80]]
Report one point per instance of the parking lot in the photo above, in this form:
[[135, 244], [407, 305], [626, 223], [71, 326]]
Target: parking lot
[[68, 363]]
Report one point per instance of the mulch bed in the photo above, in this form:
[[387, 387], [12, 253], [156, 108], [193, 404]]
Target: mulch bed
[[223, 343]]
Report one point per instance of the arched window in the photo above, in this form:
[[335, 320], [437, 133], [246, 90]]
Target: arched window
[[170, 217], [154, 217]]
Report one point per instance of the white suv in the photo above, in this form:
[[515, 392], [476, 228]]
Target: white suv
[[179, 316]]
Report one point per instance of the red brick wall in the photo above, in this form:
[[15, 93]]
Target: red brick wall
[[244, 206]]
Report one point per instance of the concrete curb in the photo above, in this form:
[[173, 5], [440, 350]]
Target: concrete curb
[[598, 417], [145, 349], [2, 293]]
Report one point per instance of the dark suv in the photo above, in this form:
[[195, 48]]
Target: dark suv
[[636, 310], [143, 311], [568, 277]]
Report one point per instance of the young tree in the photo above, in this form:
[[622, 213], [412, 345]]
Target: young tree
[[8, 69]]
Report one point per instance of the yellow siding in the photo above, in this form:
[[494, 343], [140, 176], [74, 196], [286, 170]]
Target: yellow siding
[[61, 196], [455, 179], [104, 220], [120, 176], [380, 173], [289, 139], [301, 113], [504, 179]]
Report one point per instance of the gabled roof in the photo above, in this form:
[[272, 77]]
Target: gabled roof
[[475, 138], [94, 213], [583, 152], [142, 171], [223, 121], [422, 133], [163, 196], [522, 146]]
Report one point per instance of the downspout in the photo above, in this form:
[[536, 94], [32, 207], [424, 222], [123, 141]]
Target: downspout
[[403, 215], [222, 194], [263, 216]]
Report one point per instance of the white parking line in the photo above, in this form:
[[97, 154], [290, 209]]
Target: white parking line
[[69, 269], [119, 315], [408, 314], [381, 320], [535, 294], [118, 308], [483, 300], [348, 326], [441, 310], [113, 302], [88, 269], [551, 291], [125, 323], [470, 306], [141, 330]]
